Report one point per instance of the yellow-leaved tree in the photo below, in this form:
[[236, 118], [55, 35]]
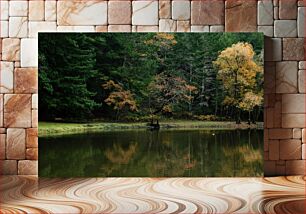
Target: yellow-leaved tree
[[241, 75], [250, 101]]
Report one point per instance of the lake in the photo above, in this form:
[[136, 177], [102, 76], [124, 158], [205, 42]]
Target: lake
[[145, 153]]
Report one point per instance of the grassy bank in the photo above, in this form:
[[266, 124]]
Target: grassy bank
[[51, 128]]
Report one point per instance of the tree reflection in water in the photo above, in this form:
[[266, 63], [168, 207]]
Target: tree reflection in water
[[168, 153]]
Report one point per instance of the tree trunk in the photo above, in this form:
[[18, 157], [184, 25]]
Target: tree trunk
[[190, 79], [216, 102], [249, 121], [237, 110]]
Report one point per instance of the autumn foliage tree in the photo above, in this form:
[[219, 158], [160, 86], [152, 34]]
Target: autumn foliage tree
[[119, 98], [166, 91], [250, 101], [239, 73]]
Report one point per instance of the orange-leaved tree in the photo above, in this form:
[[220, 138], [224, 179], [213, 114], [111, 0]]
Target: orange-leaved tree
[[166, 90], [119, 98]]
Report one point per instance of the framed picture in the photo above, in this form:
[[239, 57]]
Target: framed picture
[[150, 104]]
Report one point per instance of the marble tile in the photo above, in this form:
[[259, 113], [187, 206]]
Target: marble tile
[[18, 8], [293, 49], [29, 53], [294, 103], [50, 10], [101, 28], [303, 151], [265, 12], [241, 16], [155, 195], [269, 78], [275, 13], [91, 12], [286, 77], [1, 110], [180, 10], [36, 10], [216, 28], [274, 150], [17, 64], [34, 101], [145, 13], [18, 27], [269, 100], [277, 117], [199, 28], [4, 10], [17, 110], [273, 49], [207, 12], [119, 28], [183, 26], [301, 22], [11, 49], [4, 32], [119, 12], [75, 29], [290, 149], [302, 82], [269, 122], [27, 167], [34, 118], [26, 80], [293, 120], [167, 25], [301, 3], [269, 167], [297, 133], [37, 26], [302, 65], [8, 167], [295, 167], [2, 146], [285, 28], [279, 133], [32, 154], [266, 30], [6, 77], [31, 138], [15, 144], [164, 9], [287, 9], [280, 170], [146, 28]]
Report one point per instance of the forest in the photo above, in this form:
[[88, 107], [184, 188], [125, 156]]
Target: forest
[[139, 76]]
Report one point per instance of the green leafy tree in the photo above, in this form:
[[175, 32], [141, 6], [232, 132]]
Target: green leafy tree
[[66, 69]]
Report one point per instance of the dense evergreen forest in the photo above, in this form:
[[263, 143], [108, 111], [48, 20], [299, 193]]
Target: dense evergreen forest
[[137, 76]]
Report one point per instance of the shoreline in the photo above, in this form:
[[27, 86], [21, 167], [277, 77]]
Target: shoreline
[[49, 129]]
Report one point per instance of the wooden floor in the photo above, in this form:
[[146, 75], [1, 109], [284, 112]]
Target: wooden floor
[[153, 195]]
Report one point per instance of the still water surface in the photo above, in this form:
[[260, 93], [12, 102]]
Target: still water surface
[[163, 153]]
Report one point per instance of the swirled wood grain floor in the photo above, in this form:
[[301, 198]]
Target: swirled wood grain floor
[[153, 195]]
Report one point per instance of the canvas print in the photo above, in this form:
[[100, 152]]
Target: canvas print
[[150, 104]]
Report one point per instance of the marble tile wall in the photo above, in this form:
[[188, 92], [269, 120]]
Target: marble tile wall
[[282, 21]]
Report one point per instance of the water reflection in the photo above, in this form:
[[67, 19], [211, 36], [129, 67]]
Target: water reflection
[[161, 153]]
